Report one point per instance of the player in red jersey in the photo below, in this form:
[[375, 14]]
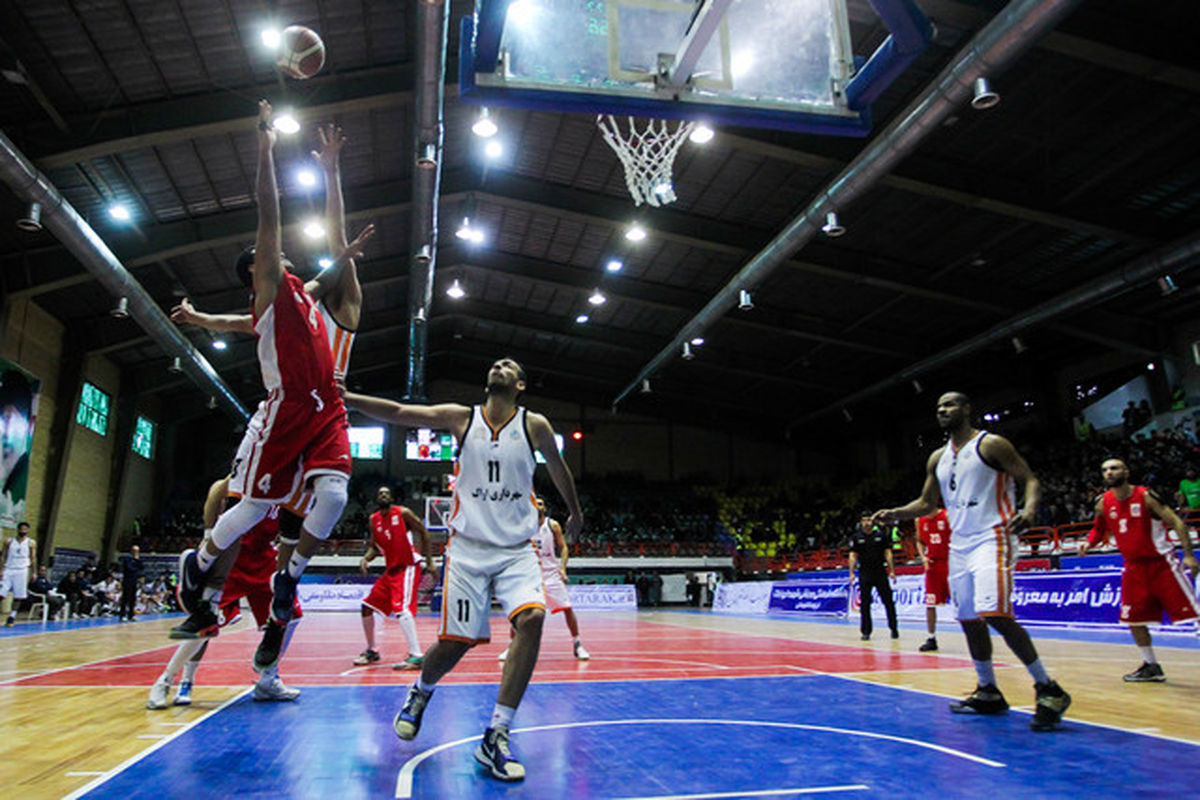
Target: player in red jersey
[[933, 540], [1152, 582], [303, 441], [250, 577], [392, 529]]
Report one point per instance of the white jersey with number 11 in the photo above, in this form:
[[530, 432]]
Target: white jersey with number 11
[[493, 495]]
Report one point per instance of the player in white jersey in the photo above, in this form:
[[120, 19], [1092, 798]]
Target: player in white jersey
[[492, 522], [975, 475], [338, 295], [547, 541], [20, 555]]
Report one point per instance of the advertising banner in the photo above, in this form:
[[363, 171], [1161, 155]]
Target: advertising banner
[[603, 597], [18, 413], [1079, 596], [332, 596], [743, 598], [826, 597]]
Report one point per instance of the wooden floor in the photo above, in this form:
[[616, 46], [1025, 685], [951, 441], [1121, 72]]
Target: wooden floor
[[72, 701]]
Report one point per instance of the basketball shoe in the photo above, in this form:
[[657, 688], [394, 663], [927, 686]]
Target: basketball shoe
[[273, 690], [1052, 703], [581, 652], [494, 753], [183, 697], [283, 595], [190, 586], [200, 624], [267, 654], [929, 646], [1147, 673], [367, 656], [410, 663], [408, 718], [158, 695], [984, 700]]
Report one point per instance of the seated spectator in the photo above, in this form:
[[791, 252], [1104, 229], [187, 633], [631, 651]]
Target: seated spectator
[[44, 591], [68, 587]]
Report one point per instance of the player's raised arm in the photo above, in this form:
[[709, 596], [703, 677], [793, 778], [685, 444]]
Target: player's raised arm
[[1000, 451], [186, 314], [924, 505], [268, 259], [330, 280], [543, 440], [448, 415]]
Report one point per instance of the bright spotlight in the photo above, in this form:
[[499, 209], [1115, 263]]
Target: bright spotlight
[[521, 12], [325, 263], [493, 149], [314, 229], [219, 344], [582, 318], [306, 177], [119, 212], [636, 233], [614, 265], [271, 38], [701, 134], [485, 127], [697, 341], [456, 290], [286, 123], [597, 298]]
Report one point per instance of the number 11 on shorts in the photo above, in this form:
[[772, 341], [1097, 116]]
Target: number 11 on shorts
[[464, 610]]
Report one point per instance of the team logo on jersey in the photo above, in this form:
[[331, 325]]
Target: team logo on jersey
[[395, 520], [1112, 514], [1135, 509]]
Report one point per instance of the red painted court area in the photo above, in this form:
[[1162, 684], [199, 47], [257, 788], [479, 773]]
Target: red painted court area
[[623, 647]]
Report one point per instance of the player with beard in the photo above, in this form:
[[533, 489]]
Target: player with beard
[[492, 522], [1152, 581], [975, 475]]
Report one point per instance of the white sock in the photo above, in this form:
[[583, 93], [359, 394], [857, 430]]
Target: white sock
[[182, 655], [192, 664], [204, 558], [409, 626], [296, 565], [1148, 654], [427, 688], [502, 717], [1038, 670], [987, 675]]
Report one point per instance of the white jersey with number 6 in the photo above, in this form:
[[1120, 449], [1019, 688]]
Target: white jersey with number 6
[[493, 497], [980, 499]]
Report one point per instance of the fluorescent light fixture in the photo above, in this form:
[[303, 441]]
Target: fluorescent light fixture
[[485, 127], [636, 233], [456, 290], [614, 265], [119, 212], [597, 298], [702, 134], [286, 123]]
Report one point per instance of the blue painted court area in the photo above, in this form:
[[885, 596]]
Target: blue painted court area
[[25, 628], [764, 736]]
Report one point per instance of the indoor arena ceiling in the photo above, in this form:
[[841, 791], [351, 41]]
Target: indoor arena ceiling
[[1089, 162]]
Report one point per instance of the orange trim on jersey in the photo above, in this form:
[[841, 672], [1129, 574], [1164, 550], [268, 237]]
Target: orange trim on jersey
[[445, 637], [454, 502], [493, 428], [1003, 592], [521, 608]]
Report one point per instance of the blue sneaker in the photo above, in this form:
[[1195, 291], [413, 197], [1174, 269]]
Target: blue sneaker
[[283, 597], [408, 718], [190, 588], [183, 697], [494, 753]]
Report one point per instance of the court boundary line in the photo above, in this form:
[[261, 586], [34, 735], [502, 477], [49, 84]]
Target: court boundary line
[[161, 743], [1019, 710], [404, 779], [854, 787]]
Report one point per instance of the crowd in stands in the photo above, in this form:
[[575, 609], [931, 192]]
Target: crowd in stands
[[95, 591]]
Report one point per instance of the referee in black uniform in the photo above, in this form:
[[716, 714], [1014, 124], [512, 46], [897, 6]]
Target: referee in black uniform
[[871, 551]]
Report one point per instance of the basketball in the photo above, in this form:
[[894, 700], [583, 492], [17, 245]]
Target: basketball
[[301, 52]]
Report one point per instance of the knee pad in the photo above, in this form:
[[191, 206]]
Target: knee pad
[[289, 526], [330, 495]]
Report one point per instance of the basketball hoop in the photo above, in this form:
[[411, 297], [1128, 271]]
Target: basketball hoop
[[646, 155]]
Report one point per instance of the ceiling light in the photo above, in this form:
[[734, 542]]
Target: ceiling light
[[121, 309], [456, 290], [745, 302], [741, 63], [702, 133], [663, 187], [306, 177], [1018, 345], [645, 386], [688, 355], [582, 318], [325, 262], [219, 344], [485, 126], [468, 233], [636, 233], [917, 387], [493, 149], [1150, 366], [697, 341], [271, 38], [520, 12], [614, 265], [119, 212], [984, 96], [1166, 285], [314, 229], [832, 227], [427, 158], [212, 403], [32, 221], [286, 123], [597, 298], [424, 255], [176, 366]]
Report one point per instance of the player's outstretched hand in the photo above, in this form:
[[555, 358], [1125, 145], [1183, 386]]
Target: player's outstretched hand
[[265, 128], [184, 313], [356, 247], [331, 139]]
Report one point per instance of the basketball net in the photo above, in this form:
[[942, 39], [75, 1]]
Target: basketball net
[[647, 155]]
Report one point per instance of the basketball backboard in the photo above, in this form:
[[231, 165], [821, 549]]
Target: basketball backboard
[[756, 63]]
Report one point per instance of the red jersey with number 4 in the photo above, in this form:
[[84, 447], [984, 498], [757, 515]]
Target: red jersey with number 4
[[392, 537], [293, 344], [1138, 531], [934, 532]]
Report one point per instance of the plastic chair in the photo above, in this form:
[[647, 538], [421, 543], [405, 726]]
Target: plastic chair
[[39, 600]]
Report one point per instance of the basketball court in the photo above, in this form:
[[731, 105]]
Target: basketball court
[[672, 704]]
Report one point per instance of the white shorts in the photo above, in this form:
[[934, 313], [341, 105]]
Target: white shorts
[[473, 574], [981, 574], [557, 598], [15, 582], [241, 459]]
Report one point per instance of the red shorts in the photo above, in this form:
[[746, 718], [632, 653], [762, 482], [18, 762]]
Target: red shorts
[[937, 583], [301, 437], [251, 578], [1152, 586], [395, 591]]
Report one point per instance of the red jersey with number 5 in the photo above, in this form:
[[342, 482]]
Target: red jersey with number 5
[[1138, 531], [934, 532], [293, 344], [392, 538]]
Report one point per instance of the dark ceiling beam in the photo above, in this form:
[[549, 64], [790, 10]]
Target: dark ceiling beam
[[180, 119]]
